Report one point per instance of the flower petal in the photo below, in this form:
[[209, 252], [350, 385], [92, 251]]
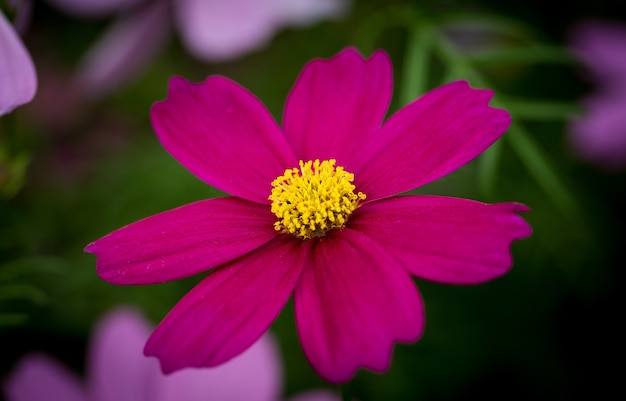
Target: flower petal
[[352, 303], [126, 48], [599, 136], [450, 240], [182, 242], [18, 80], [39, 377], [224, 135], [336, 105], [118, 369], [600, 45], [230, 309], [433, 136], [255, 374], [224, 30]]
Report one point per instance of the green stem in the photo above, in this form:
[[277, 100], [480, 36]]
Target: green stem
[[346, 392], [416, 65]]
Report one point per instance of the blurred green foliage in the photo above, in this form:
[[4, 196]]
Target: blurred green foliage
[[540, 332]]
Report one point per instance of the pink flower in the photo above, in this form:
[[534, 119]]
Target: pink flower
[[18, 80], [117, 370], [211, 30], [332, 233], [599, 135]]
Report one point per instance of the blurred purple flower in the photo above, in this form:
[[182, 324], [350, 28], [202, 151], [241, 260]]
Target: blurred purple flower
[[211, 30], [599, 136], [18, 80], [117, 370]]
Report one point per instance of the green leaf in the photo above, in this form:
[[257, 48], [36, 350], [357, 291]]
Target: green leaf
[[30, 265], [540, 110], [23, 291], [12, 319], [536, 161], [523, 55], [416, 66]]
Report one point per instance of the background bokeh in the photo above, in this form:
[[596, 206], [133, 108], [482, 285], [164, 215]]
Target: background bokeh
[[544, 331]]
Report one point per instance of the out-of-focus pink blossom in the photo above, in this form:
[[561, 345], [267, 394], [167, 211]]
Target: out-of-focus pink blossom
[[117, 370], [599, 135], [211, 30], [18, 80], [216, 30]]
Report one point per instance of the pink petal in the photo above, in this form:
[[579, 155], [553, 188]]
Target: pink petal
[[255, 374], [125, 49], [230, 309], [450, 240], [182, 242], [38, 377], [224, 30], [337, 105], [92, 8], [599, 136], [118, 369], [433, 136], [601, 45], [18, 80], [353, 301], [224, 135]]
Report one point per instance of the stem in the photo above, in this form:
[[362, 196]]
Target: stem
[[415, 65], [346, 392]]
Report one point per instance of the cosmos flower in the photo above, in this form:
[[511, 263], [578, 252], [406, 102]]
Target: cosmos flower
[[18, 80], [117, 370], [210, 30], [599, 134], [314, 212]]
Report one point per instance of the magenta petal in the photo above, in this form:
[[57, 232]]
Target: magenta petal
[[255, 374], [433, 136], [18, 80], [229, 310], [118, 369], [38, 377], [224, 135], [182, 242], [353, 301], [336, 105], [450, 240]]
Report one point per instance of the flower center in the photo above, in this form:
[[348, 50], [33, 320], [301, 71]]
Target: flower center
[[313, 199]]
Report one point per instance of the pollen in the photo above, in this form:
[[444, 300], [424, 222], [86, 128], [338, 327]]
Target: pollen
[[313, 199]]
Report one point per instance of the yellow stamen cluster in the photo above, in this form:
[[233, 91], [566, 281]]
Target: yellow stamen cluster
[[313, 199]]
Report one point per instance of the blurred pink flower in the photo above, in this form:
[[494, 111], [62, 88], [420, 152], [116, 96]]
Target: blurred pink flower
[[117, 370], [18, 80], [211, 30], [599, 135], [345, 255]]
